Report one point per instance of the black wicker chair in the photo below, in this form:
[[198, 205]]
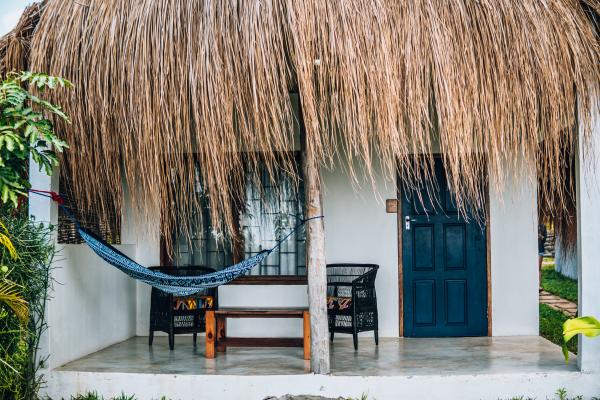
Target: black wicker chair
[[177, 315], [351, 299]]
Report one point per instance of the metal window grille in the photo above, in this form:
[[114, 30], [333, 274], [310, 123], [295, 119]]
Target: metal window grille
[[269, 216], [271, 210]]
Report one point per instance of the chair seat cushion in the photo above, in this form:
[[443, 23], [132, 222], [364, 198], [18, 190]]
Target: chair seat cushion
[[191, 302], [339, 303]]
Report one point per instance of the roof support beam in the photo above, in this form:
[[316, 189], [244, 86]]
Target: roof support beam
[[315, 265]]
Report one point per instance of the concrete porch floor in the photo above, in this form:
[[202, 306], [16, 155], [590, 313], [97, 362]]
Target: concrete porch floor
[[432, 369], [393, 357]]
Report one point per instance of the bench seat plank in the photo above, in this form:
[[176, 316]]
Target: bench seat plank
[[262, 342], [266, 312]]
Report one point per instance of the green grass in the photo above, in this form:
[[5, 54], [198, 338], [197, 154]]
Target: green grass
[[559, 285], [561, 394], [551, 322], [96, 396]]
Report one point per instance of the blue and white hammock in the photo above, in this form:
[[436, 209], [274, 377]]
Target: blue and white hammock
[[176, 285]]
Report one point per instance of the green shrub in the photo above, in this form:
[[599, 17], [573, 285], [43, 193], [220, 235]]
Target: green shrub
[[30, 271], [96, 396], [123, 396], [26, 132], [87, 396]]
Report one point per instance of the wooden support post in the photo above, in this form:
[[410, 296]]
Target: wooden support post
[[210, 334], [221, 333], [315, 265], [306, 334]]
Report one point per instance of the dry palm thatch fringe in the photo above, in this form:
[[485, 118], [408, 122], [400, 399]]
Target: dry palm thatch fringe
[[14, 46], [157, 81]]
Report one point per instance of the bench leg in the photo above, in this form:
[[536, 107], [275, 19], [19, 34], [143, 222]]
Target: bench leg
[[210, 334], [306, 329], [221, 333]]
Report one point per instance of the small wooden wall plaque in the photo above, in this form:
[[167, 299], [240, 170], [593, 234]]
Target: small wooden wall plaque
[[391, 206]]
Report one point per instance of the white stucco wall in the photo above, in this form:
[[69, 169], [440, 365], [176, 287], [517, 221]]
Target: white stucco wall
[[514, 258], [93, 305], [144, 236], [358, 230], [264, 296]]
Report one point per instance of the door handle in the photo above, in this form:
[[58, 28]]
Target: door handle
[[407, 221]]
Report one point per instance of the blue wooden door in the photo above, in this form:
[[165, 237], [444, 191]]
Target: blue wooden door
[[444, 266]]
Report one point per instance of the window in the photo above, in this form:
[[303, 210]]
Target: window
[[265, 218], [109, 228], [204, 247]]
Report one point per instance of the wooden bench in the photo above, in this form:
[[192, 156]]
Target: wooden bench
[[216, 329]]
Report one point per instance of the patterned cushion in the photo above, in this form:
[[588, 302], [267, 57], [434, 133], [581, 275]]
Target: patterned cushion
[[191, 302], [339, 303]]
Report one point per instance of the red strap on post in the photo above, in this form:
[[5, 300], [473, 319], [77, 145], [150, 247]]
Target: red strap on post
[[53, 195]]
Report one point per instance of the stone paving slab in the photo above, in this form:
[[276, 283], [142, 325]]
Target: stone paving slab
[[558, 303]]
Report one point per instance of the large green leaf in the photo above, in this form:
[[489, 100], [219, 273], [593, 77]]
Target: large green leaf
[[587, 326], [27, 131]]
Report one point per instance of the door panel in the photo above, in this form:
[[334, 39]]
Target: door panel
[[424, 302], [444, 266], [456, 301], [423, 239], [455, 246]]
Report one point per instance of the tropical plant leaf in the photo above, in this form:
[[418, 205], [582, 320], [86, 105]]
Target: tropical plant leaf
[[27, 131], [587, 326], [11, 296], [5, 241]]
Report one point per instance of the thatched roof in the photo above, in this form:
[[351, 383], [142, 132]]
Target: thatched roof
[[158, 79]]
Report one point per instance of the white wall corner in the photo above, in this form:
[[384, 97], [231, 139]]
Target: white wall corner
[[588, 239]]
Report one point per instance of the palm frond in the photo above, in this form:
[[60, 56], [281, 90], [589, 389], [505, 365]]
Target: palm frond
[[6, 242], [11, 296]]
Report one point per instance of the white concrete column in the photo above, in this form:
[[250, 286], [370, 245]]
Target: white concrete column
[[513, 252], [43, 210], [588, 240]]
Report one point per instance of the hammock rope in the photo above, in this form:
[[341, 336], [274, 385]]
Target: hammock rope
[[176, 285]]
